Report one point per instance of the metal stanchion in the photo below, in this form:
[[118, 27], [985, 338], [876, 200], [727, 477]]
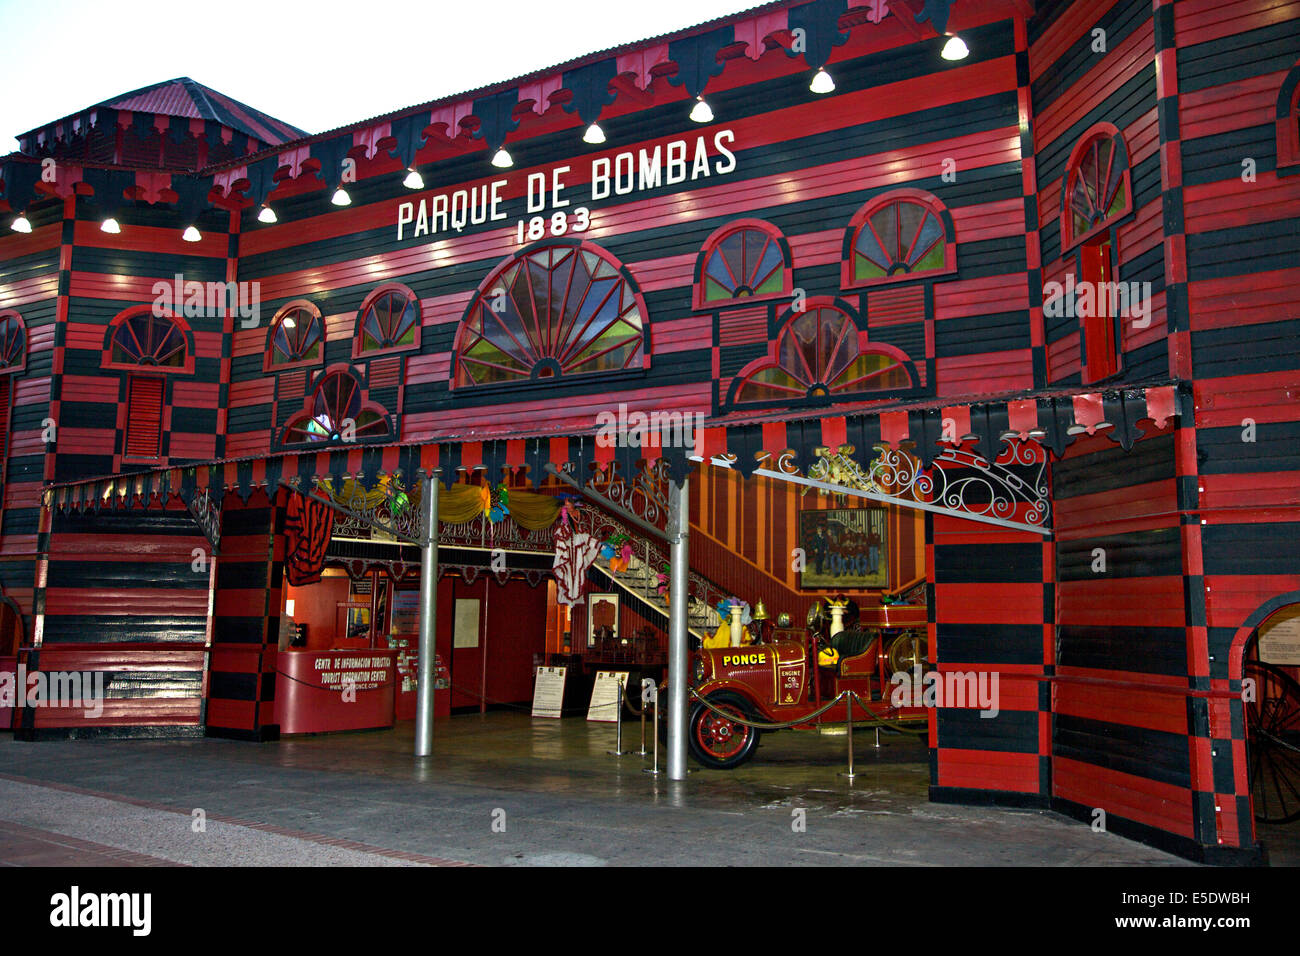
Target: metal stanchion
[[618, 750], [848, 713], [645, 694], [655, 769]]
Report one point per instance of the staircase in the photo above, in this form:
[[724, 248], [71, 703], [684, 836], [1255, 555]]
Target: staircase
[[642, 580]]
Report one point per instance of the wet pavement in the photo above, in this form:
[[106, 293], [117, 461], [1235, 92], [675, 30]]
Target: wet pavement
[[506, 789]]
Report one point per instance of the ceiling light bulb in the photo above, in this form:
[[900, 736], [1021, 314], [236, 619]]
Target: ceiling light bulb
[[822, 82], [341, 197], [413, 180], [594, 135], [110, 225], [21, 224], [955, 49], [267, 214], [701, 113], [502, 159], [191, 234]]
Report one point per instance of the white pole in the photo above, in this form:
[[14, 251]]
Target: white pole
[[678, 678], [429, 487]]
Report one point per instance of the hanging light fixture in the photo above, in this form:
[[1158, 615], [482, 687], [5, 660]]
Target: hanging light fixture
[[267, 214], [341, 197], [822, 82], [413, 180], [594, 135], [955, 49], [110, 225], [502, 159], [191, 234], [21, 224], [700, 112]]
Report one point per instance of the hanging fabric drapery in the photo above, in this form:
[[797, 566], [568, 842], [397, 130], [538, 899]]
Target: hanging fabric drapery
[[307, 527]]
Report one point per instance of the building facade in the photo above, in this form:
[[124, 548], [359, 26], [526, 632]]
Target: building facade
[[1068, 258]]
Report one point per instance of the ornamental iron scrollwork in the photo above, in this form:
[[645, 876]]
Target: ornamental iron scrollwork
[[644, 494], [207, 515], [968, 486]]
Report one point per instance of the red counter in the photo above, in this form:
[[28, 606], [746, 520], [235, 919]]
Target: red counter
[[310, 688]]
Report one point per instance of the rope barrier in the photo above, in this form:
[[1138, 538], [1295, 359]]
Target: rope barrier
[[759, 725], [875, 719]]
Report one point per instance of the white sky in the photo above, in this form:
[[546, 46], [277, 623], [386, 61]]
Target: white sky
[[315, 65]]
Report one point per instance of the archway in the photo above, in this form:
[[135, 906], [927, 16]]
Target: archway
[[1266, 657]]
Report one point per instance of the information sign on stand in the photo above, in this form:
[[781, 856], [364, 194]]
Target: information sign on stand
[[548, 691], [606, 704]]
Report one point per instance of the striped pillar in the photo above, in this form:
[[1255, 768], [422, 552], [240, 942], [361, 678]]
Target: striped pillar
[[246, 620]]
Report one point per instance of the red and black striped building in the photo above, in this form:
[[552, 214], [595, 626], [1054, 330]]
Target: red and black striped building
[[898, 263]]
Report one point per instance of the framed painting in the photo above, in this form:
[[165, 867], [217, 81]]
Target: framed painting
[[846, 549], [602, 617]]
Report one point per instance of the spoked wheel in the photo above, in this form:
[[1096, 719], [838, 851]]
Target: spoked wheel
[[1273, 738], [717, 741], [906, 652]]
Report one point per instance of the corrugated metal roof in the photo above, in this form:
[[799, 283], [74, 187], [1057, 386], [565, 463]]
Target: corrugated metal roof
[[187, 99]]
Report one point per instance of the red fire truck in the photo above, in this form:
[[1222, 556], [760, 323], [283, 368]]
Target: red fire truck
[[794, 674]]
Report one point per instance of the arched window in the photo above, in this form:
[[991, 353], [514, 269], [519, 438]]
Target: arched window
[[1097, 192], [297, 337], [904, 234], [389, 321], [153, 339], [818, 357], [1288, 124], [149, 344], [13, 342], [555, 310], [13, 358], [337, 411], [742, 260]]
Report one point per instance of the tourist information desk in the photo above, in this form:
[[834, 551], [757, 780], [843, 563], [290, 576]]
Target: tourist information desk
[[318, 691]]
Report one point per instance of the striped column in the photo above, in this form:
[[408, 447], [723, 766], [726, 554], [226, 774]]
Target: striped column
[[246, 621]]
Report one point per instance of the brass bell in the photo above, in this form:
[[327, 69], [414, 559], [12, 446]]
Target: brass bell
[[760, 612]]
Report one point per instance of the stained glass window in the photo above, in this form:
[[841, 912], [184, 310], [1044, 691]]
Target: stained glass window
[[818, 356], [148, 339], [13, 342], [389, 320], [336, 403], [902, 236], [296, 336], [747, 261], [555, 311], [1097, 189]]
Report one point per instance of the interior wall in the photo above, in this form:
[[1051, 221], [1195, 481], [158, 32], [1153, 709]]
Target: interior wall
[[744, 532], [512, 628], [316, 605]]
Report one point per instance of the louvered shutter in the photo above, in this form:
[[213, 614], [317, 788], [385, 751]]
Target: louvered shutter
[[5, 387], [6, 392], [144, 418]]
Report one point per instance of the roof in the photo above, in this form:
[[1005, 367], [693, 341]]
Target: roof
[[183, 97]]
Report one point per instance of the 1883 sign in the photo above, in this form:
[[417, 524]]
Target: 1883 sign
[[845, 548]]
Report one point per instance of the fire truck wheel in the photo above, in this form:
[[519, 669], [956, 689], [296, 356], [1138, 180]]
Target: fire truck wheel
[[718, 742]]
